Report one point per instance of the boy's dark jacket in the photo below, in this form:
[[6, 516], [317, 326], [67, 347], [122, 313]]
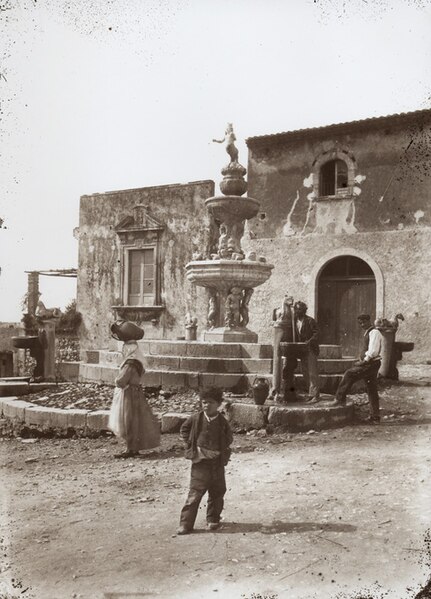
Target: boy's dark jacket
[[190, 431]]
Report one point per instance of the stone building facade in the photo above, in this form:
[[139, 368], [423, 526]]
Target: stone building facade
[[346, 220], [133, 247]]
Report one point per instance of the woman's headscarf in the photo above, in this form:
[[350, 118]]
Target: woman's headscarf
[[132, 351]]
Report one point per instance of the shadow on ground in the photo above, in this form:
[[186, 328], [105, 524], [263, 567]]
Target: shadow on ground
[[278, 527]]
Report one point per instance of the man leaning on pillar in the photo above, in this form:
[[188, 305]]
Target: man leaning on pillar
[[366, 368], [306, 331]]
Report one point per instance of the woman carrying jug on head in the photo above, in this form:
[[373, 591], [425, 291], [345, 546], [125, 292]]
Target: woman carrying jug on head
[[131, 418]]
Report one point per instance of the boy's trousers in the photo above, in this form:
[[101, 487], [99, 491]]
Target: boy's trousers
[[207, 475]]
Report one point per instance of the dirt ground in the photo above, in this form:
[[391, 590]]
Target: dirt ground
[[340, 513]]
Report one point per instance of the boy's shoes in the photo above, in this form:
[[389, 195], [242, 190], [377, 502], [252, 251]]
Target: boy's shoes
[[213, 525], [372, 420], [184, 531]]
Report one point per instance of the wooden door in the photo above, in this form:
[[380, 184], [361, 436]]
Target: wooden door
[[341, 298]]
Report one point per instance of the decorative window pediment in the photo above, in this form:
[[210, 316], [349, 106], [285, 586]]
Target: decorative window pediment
[[141, 221]]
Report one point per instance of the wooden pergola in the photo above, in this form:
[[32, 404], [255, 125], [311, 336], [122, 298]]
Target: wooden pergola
[[62, 272], [33, 283]]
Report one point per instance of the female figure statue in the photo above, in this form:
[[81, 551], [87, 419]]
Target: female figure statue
[[229, 138]]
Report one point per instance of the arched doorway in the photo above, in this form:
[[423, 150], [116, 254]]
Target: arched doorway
[[346, 288]]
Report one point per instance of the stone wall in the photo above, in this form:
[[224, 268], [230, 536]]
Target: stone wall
[[187, 228], [9, 364], [7, 331]]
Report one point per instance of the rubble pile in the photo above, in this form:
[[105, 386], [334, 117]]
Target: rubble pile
[[95, 396]]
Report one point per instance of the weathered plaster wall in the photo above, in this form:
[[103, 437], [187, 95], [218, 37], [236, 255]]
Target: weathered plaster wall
[[391, 179], [188, 228], [401, 258]]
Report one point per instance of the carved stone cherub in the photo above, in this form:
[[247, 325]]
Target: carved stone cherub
[[233, 308], [190, 321], [212, 311], [244, 306], [284, 313]]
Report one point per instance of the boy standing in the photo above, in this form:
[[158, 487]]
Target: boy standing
[[207, 437]]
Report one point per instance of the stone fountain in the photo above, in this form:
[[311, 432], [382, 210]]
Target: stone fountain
[[229, 274]]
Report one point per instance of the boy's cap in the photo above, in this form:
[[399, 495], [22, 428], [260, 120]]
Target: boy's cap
[[214, 393]]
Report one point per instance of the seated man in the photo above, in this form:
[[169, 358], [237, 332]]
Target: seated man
[[366, 368]]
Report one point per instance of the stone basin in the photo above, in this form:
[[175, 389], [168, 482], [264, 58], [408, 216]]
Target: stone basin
[[25, 342], [224, 274], [232, 206]]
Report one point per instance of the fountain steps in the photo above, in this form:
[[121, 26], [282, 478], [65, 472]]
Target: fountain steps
[[180, 364], [220, 365], [198, 349], [171, 379]]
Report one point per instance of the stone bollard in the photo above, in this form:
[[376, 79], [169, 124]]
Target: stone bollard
[[387, 349], [191, 332]]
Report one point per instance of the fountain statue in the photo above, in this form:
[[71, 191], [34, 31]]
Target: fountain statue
[[229, 275]]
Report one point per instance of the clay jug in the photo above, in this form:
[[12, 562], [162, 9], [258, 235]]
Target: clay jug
[[124, 330], [260, 389]]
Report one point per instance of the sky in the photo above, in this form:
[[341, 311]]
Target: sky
[[116, 94]]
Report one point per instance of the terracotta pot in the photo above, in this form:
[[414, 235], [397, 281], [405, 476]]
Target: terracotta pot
[[260, 389], [124, 330]]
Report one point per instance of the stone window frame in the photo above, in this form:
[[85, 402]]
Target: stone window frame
[[137, 232], [125, 268], [327, 156]]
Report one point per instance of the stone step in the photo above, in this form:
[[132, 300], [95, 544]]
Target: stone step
[[210, 365], [197, 349], [220, 365], [171, 379]]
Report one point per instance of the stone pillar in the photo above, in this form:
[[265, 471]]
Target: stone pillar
[[32, 292], [49, 350]]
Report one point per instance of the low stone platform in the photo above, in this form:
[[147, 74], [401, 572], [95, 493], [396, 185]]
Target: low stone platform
[[242, 415], [17, 386], [295, 417]]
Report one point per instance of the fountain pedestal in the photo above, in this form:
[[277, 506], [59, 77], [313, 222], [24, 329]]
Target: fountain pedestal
[[230, 284], [229, 275]]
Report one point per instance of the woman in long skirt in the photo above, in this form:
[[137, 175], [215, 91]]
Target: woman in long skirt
[[131, 418]]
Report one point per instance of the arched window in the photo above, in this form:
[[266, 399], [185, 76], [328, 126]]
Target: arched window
[[334, 178]]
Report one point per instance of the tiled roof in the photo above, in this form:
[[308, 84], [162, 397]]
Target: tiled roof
[[379, 120]]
